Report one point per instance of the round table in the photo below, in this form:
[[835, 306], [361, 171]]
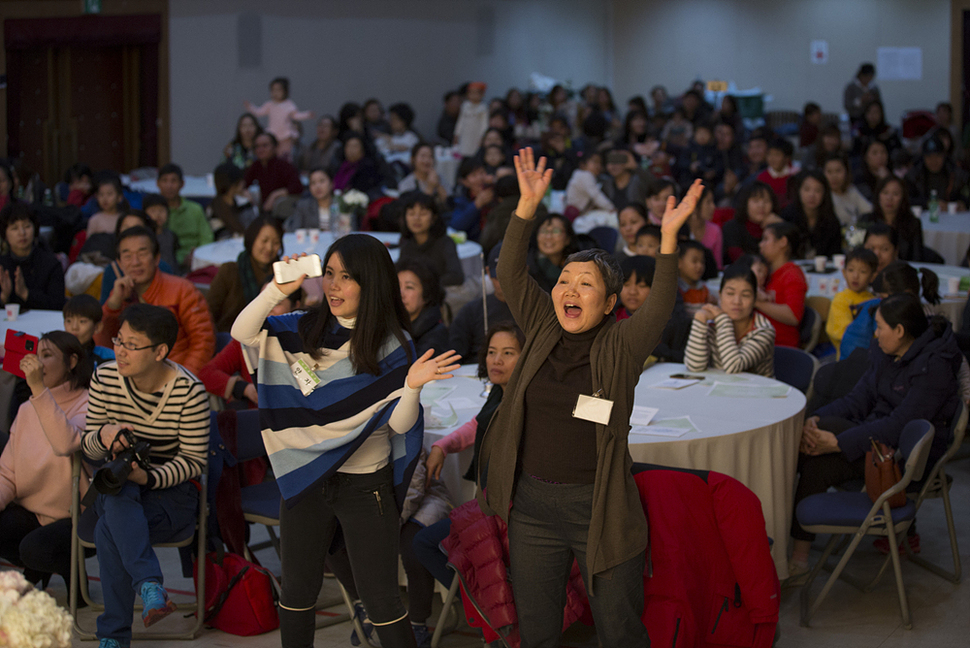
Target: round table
[[950, 237], [227, 250], [34, 322], [748, 436], [195, 187]]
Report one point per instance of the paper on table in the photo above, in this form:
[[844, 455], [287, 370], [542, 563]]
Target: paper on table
[[431, 394], [674, 383], [726, 390], [460, 402], [642, 415], [673, 427], [440, 418]]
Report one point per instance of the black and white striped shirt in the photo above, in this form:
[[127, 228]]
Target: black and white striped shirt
[[175, 421], [715, 346]]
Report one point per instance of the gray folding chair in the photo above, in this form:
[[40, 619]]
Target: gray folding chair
[[846, 513]]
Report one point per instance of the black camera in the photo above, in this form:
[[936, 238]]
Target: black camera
[[109, 479]]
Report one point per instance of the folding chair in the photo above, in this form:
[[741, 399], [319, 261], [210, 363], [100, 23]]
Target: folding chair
[[845, 513], [795, 367], [83, 537]]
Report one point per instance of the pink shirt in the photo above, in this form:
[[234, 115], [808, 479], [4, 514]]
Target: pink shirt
[[103, 223], [463, 437], [714, 241], [281, 118]]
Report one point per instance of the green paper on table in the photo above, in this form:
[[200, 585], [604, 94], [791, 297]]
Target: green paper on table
[[431, 394], [672, 427], [726, 390], [731, 378], [440, 418]]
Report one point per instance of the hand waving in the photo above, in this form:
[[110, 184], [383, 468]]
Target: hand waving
[[676, 215], [425, 369], [533, 182]]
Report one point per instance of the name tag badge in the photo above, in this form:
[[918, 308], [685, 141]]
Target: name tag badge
[[593, 408], [305, 378]]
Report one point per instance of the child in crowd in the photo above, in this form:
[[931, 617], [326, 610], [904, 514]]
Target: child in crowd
[[79, 184], [648, 240], [678, 131], [658, 192], [186, 218], [811, 122], [759, 267], [156, 207], [396, 147], [638, 274], [860, 268], [283, 115], [691, 266], [111, 202], [472, 120], [228, 218], [583, 191], [631, 219], [700, 156], [82, 319], [779, 169]]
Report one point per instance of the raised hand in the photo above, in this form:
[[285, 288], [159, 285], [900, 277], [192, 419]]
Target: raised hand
[[34, 372], [533, 182], [20, 284], [425, 369], [120, 293], [292, 286], [676, 215]]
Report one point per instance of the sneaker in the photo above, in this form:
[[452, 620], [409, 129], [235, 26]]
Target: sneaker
[[421, 635], [797, 575], [109, 643], [361, 615], [156, 601], [882, 545]]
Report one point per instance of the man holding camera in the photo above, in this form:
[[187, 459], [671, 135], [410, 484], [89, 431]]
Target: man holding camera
[[162, 404]]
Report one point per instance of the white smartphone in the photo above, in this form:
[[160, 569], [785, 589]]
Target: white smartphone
[[287, 271]]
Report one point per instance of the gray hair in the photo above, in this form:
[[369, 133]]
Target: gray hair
[[606, 263]]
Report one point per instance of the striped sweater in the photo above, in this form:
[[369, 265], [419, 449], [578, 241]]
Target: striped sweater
[[352, 423], [174, 421], [714, 346]]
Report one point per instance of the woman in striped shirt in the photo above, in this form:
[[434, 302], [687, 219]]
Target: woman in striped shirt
[[737, 339]]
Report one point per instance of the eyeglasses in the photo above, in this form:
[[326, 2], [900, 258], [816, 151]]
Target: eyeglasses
[[551, 232], [127, 345]]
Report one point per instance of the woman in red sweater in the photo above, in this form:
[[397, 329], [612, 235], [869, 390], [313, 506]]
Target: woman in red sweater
[[784, 304]]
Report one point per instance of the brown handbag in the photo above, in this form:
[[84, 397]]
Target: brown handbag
[[882, 473]]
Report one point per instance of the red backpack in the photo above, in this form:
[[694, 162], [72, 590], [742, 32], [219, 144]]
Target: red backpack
[[240, 597]]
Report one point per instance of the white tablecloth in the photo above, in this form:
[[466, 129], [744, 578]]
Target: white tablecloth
[[195, 187], [34, 322], [227, 250], [950, 237], [754, 440]]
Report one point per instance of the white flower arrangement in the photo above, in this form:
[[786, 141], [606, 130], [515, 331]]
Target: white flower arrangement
[[352, 201], [854, 236], [30, 618]]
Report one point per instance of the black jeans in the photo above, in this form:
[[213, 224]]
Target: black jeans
[[818, 473], [41, 550], [364, 507], [548, 527], [420, 580]]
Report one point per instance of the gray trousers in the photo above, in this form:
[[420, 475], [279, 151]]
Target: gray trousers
[[548, 528]]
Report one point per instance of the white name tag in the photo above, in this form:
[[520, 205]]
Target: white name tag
[[593, 409], [305, 378]]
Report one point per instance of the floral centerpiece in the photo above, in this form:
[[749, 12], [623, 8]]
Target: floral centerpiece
[[351, 207], [30, 618]]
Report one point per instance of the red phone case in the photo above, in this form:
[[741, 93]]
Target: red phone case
[[17, 345]]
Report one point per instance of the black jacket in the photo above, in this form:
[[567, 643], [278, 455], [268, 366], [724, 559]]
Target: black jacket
[[44, 276], [428, 332]]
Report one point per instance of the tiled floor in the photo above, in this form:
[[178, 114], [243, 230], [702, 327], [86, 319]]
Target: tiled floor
[[848, 618]]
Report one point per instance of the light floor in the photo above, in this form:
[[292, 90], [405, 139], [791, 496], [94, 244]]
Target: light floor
[[848, 618]]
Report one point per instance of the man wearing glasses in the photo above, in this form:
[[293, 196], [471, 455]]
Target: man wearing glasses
[[142, 281], [160, 402]]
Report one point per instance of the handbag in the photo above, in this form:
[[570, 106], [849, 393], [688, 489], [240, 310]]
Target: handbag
[[882, 473], [240, 597]]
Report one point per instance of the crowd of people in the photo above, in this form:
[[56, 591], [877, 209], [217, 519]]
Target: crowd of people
[[658, 199]]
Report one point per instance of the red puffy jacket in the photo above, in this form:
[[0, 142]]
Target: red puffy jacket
[[478, 549], [710, 580]]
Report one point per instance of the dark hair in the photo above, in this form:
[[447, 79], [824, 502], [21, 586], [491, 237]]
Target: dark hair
[[370, 102], [153, 200], [900, 277], [753, 190], [83, 305], [431, 290], [628, 123], [650, 230], [146, 221], [641, 266], [740, 269], [827, 226], [111, 178], [259, 129], [226, 176], [865, 256], [420, 199], [811, 108], [156, 323], [606, 263], [17, 211], [568, 230], [347, 112], [77, 171], [172, 168], [842, 159], [789, 231], [866, 69], [658, 185], [906, 310], [905, 221], [381, 312], [783, 145], [284, 82], [404, 112], [882, 113], [883, 229], [638, 102], [689, 244], [763, 133], [469, 165], [272, 138], [499, 327], [255, 227], [420, 145], [639, 208], [80, 375], [132, 232]]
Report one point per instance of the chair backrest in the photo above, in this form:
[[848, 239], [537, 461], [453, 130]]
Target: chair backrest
[[605, 237], [810, 328], [915, 443], [249, 436], [958, 431], [795, 367]]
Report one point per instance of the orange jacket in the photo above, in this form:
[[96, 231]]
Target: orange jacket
[[196, 341]]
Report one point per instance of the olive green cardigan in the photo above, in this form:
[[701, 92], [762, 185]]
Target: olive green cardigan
[[617, 526]]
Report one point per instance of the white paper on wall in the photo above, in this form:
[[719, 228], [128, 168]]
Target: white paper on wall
[[819, 52], [899, 63]]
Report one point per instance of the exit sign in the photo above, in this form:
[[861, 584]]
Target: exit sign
[[91, 6]]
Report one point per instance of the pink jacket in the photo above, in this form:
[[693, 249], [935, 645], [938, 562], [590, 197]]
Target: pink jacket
[[463, 437], [281, 117], [35, 467]]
